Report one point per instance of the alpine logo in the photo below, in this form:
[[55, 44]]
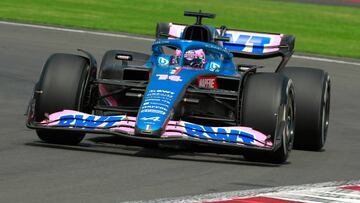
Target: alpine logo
[[155, 118], [163, 61], [215, 67]]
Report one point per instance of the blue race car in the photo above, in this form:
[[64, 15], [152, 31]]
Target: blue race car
[[188, 91]]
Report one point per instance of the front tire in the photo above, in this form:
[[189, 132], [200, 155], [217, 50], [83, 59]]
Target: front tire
[[312, 87], [269, 107], [62, 85]]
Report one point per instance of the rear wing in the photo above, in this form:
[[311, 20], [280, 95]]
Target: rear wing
[[258, 45], [244, 44]]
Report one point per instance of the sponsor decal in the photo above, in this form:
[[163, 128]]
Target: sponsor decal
[[175, 78], [163, 61], [161, 42], [89, 121], [211, 46], [251, 42], [157, 101], [218, 134], [155, 118], [208, 82], [161, 112]]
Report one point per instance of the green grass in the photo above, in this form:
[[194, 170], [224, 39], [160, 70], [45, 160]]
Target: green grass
[[327, 30]]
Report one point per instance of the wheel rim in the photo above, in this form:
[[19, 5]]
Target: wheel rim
[[288, 118], [290, 127], [325, 112]]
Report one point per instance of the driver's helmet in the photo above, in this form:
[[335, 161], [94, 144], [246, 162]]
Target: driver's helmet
[[192, 58]]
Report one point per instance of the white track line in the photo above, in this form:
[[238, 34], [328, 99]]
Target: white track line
[[326, 60], [45, 27]]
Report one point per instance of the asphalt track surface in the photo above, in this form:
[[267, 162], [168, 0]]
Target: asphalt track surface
[[32, 171]]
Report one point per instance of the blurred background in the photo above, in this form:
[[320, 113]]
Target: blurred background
[[326, 27]]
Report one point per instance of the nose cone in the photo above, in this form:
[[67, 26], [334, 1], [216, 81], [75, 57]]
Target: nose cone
[[163, 93], [157, 104]]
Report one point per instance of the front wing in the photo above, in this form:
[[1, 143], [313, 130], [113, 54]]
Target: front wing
[[122, 125]]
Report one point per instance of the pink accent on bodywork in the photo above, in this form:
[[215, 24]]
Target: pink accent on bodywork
[[177, 129], [175, 30], [173, 129], [110, 100], [126, 125]]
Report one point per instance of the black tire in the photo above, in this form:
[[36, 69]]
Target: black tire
[[110, 67], [162, 28], [312, 87], [268, 106], [63, 83]]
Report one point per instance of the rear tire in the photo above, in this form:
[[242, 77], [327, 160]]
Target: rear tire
[[162, 28], [268, 106], [63, 83], [312, 87]]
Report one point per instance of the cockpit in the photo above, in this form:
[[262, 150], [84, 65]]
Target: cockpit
[[191, 55], [194, 58]]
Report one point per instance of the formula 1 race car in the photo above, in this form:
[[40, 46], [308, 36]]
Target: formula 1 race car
[[189, 90]]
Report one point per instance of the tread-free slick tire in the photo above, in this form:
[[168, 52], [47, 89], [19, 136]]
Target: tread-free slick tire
[[162, 28], [268, 106], [312, 87], [62, 85]]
